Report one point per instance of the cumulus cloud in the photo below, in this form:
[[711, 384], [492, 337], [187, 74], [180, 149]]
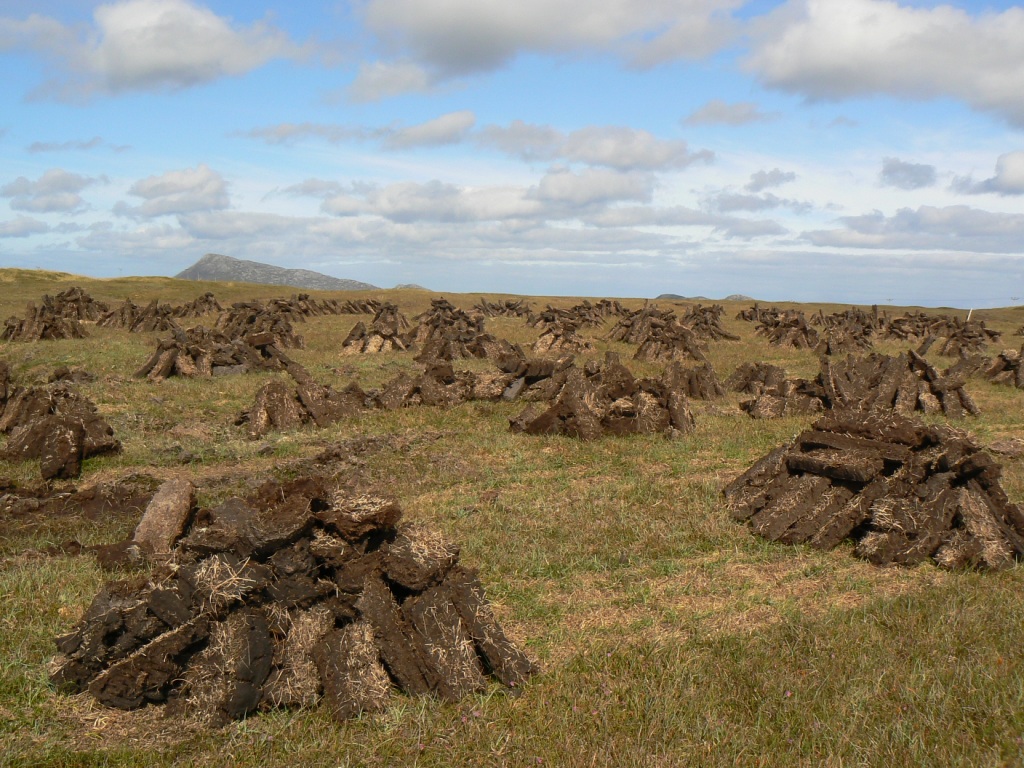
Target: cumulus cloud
[[446, 129], [730, 202], [140, 45], [22, 226], [719, 112], [952, 228], [460, 37], [382, 80], [904, 175], [618, 147], [287, 133], [56, 191], [1008, 180], [761, 180], [593, 186], [177, 192], [838, 49]]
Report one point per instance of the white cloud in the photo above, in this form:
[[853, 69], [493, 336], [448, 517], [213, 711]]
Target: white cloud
[[381, 80], [837, 49], [446, 129], [618, 147], [717, 111], [22, 226], [903, 175], [286, 133], [459, 37], [761, 180], [139, 45], [950, 228], [593, 186], [56, 191], [1008, 180], [176, 192]]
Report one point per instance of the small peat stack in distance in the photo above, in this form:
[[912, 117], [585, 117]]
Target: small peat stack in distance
[[297, 594], [560, 337], [903, 491], [384, 335], [206, 304], [706, 322], [249, 317], [504, 308]]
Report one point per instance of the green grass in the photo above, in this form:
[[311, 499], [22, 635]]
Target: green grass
[[667, 635]]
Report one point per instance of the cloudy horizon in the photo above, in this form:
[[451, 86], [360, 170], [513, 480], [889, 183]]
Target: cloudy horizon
[[854, 151]]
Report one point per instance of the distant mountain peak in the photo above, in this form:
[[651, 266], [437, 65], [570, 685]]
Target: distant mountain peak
[[216, 266]]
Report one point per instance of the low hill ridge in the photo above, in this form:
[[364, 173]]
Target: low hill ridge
[[215, 266]]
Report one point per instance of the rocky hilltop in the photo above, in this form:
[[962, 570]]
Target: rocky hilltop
[[214, 266]]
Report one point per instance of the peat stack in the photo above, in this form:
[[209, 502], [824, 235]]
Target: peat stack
[[123, 316], [758, 314], [246, 318], [76, 304], [697, 382], [904, 492], [606, 399], [1006, 368], [298, 594], [42, 323], [844, 340], [155, 317], [280, 407], [200, 352], [706, 323], [57, 425], [901, 384], [791, 397], [788, 329], [637, 327], [560, 337], [755, 378], [671, 341], [385, 334], [505, 308], [442, 318], [206, 304], [357, 306]]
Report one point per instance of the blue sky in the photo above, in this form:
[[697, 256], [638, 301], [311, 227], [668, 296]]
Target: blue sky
[[815, 150]]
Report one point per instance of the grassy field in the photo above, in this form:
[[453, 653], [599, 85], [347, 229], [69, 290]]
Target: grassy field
[[667, 635]]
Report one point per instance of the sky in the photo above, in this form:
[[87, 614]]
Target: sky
[[851, 151]]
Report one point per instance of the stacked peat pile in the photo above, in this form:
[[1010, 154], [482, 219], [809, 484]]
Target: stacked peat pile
[[755, 378], [55, 424], [76, 304], [637, 327], [123, 316], [279, 407], [43, 323], [246, 318], [1006, 368], [844, 341], [789, 328], [298, 594], [439, 385], [607, 399], [961, 338], [445, 332], [671, 341], [384, 335], [903, 491], [155, 317], [206, 304], [357, 306], [584, 314], [758, 314], [706, 323], [901, 384], [560, 337], [505, 308], [697, 383], [874, 383], [201, 352]]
